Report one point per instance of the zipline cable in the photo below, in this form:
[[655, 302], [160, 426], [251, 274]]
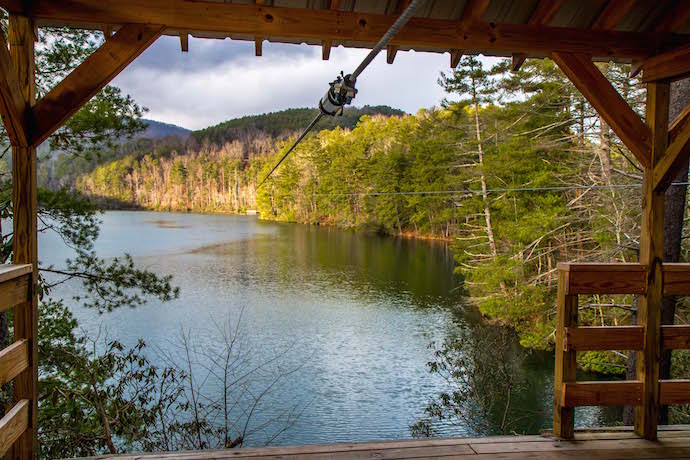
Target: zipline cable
[[304, 133], [498, 190], [342, 89]]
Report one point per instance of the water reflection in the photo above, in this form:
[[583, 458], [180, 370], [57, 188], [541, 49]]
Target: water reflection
[[359, 310]]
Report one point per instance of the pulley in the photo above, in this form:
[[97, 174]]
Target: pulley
[[341, 92]]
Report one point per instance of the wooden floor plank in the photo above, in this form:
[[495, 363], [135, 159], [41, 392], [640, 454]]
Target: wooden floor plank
[[617, 444]]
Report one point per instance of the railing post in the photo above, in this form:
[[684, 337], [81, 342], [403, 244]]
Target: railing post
[[651, 255], [566, 364], [25, 246]]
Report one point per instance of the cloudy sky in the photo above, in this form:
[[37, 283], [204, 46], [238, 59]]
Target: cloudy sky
[[218, 80]]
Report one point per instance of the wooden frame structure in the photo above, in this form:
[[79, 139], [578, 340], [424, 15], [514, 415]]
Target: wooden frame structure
[[655, 38]]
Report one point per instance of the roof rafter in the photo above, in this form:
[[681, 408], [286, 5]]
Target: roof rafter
[[326, 44], [309, 24], [542, 15], [612, 14], [471, 14]]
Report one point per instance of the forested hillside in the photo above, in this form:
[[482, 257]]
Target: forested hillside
[[286, 122], [518, 175]]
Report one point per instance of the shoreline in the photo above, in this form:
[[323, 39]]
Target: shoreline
[[402, 236]]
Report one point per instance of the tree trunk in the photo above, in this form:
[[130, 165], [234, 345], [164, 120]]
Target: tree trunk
[[485, 193], [674, 213]]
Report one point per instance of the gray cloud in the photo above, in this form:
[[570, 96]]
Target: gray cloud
[[218, 80]]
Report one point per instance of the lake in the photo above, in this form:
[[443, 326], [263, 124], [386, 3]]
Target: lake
[[349, 317]]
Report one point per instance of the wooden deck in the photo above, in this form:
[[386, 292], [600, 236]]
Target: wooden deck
[[596, 444]]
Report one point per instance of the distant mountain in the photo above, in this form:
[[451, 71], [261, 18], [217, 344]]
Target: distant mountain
[[158, 129], [286, 122]]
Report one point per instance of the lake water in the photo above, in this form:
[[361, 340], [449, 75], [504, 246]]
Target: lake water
[[351, 316]]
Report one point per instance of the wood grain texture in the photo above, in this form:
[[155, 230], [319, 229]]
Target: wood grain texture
[[184, 42], [11, 271], [14, 360], [651, 255], [605, 278], [677, 153], [590, 338], [455, 56], [13, 108], [474, 10], [675, 337], [91, 76], [543, 13], [14, 424], [325, 24], [676, 278], [15, 292], [613, 12], [25, 240], [391, 52], [617, 393], [594, 86], [674, 391], [616, 443], [566, 361], [671, 65]]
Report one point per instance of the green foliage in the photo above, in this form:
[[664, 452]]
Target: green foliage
[[483, 374]]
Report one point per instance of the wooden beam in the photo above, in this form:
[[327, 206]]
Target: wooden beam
[[671, 65], [455, 56], [13, 425], [107, 31], [594, 86], [184, 42], [674, 391], [676, 279], [604, 278], [616, 393], [325, 24], [651, 255], [675, 337], [12, 106], [517, 60], [258, 44], [14, 360], [14, 292], [326, 50], [566, 360], [391, 51], [326, 44], [25, 242], [677, 153], [613, 12], [603, 338], [542, 15], [63, 101]]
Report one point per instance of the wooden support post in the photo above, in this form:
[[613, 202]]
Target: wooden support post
[[651, 255], [566, 365], [25, 246]]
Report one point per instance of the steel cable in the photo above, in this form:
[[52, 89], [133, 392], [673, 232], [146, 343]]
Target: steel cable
[[394, 29]]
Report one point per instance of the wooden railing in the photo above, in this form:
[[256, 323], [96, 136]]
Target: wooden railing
[[15, 291], [588, 279]]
